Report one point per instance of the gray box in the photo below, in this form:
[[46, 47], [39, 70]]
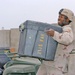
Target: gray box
[[34, 42]]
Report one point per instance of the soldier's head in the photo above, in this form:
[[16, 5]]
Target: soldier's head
[[65, 17]]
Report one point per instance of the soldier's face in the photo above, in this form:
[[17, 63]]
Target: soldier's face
[[61, 20]]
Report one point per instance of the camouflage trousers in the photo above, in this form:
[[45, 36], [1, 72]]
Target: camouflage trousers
[[57, 67]]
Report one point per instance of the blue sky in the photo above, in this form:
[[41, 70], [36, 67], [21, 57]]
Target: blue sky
[[15, 12]]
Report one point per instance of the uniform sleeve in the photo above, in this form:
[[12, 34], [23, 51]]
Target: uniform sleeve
[[66, 37]]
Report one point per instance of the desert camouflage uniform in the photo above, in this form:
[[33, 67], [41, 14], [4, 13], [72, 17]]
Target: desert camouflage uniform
[[60, 65]]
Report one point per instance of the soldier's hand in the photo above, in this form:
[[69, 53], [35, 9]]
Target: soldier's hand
[[50, 32]]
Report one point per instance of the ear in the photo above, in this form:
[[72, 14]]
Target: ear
[[67, 20]]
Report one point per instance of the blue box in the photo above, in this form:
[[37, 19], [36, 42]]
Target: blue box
[[34, 42]]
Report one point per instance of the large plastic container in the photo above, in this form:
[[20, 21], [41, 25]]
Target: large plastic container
[[3, 60], [20, 70], [22, 66], [34, 41]]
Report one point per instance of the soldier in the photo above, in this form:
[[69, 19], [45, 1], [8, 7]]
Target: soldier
[[65, 39]]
